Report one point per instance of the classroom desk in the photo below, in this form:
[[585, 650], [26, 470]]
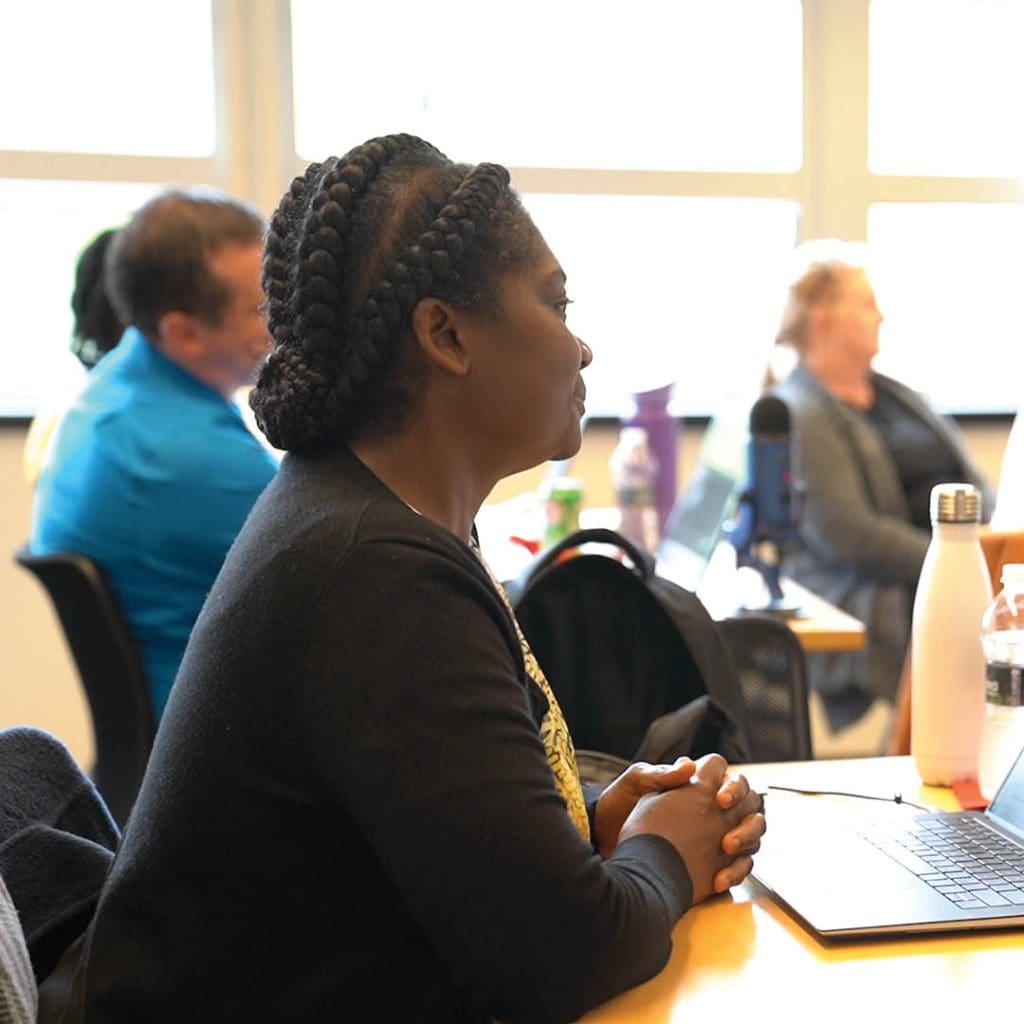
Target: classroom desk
[[820, 626], [744, 957]]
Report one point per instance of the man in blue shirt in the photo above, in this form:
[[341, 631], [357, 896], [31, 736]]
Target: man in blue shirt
[[152, 471]]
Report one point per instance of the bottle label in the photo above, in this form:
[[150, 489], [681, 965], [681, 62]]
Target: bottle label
[[1003, 684], [631, 496]]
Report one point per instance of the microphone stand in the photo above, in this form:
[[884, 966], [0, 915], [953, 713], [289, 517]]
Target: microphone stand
[[765, 557], [761, 554]]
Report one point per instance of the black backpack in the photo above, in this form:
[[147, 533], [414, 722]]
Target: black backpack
[[639, 667]]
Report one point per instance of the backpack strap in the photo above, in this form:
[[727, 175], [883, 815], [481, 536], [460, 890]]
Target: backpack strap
[[642, 561], [715, 722]]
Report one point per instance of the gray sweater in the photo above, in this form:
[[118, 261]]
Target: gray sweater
[[858, 548]]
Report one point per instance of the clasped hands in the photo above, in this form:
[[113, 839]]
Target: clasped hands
[[713, 819]]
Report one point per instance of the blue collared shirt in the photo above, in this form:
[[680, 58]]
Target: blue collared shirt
[[151, 473]]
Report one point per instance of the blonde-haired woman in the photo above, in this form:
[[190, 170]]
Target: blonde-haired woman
[[868, 450]]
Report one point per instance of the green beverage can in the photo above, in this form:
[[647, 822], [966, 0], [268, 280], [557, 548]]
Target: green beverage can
[[562, 499]]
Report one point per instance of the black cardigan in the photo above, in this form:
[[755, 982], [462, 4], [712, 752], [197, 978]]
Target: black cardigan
[[348, 814]]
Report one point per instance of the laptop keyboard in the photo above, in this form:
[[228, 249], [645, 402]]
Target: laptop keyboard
[[964, 859]]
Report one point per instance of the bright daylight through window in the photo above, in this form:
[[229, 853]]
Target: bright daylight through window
[[672, 152]]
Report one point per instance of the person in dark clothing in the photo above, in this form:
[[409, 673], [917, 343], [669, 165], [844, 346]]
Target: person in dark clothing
[[363, 802]]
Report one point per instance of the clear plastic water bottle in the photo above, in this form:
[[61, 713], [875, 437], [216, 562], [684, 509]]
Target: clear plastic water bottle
[[948, 695], [1002, 638], [634, 469]]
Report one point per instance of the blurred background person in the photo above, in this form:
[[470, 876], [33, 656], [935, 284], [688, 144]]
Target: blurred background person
[[152, 471], [868, 450], [97, 329]]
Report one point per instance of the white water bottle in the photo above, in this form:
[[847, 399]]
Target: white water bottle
[[948, 665], [1002, 638]]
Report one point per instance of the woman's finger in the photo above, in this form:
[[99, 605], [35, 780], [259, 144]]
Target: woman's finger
[[733, 873]]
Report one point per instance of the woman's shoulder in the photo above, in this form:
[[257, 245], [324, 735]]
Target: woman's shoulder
[[321, 510], [805, 396]]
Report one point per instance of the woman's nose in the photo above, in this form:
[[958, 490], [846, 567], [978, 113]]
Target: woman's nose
[[586, 355]]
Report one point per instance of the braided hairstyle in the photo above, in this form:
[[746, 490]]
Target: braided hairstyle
[[354, 245]]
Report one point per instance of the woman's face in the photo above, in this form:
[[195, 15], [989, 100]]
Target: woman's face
[[854, 318], [528, 392]]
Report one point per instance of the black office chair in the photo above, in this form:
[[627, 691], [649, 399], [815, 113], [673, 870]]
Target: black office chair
[[772, 669], [110, 670]]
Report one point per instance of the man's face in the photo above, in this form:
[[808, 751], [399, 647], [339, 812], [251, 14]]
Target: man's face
[[238, 342]]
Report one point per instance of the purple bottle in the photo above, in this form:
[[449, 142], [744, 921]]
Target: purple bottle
[[663, 437]]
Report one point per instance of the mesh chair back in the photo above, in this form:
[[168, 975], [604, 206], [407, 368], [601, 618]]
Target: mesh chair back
[[772, 669], [110, 670]]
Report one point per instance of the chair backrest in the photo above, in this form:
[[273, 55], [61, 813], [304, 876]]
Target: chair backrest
[[1001, 547], [110, 670], [770, 663]]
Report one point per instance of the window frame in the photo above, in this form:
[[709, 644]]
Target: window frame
[[255, 153]]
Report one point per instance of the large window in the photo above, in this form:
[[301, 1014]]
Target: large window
[[108, 76], [672, 151], [51, 221], [104, 103], [707, 85]]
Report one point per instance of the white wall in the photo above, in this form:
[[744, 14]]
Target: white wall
[[38, 683]]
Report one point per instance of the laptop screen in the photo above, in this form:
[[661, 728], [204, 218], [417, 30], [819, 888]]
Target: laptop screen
[[695, 523], [1008, 804]]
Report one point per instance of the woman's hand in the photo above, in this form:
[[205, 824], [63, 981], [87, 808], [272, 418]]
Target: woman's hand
[[617, 801], [743, 841], [715, 822]]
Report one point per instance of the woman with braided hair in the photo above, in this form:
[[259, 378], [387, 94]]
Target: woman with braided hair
[[363, 802]]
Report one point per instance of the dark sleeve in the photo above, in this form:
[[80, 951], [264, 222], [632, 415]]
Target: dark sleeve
[[840, 521], [420, 724]]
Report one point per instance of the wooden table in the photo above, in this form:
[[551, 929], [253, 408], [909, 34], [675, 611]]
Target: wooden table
[[820, 626], [744, 957]]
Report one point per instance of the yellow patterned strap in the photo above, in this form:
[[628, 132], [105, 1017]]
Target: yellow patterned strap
[[554, 732]]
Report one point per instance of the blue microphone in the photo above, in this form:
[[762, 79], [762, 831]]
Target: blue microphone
[[767, 516]]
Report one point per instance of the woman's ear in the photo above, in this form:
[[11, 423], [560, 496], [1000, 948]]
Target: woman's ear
[[436, 327]]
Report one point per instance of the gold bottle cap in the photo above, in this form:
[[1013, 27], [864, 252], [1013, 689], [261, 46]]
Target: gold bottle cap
[[955, 503]]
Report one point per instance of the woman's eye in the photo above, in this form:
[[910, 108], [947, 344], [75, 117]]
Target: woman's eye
[[562, 305]]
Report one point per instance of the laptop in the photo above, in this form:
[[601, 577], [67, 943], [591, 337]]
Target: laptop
[[899, 873], [693, 529]]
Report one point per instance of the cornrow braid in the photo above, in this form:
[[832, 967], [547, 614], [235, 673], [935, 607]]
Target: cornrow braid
[[279, 249], [303, 257], [342, 279], [419, 271]]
